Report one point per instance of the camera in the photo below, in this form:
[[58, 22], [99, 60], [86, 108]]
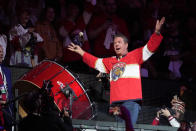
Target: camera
[[172, 112]]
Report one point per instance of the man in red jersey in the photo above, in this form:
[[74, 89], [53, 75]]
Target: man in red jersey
[[124, 70]]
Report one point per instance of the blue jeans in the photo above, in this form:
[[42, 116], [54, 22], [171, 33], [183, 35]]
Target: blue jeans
[[133, 109]]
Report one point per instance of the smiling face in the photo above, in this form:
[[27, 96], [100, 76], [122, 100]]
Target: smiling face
[[120, 46]]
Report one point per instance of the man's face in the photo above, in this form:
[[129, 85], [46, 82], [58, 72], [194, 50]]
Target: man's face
[[1, 54], [50, 14], [24, 18], [73, 11], [111, 6], [120, 47]]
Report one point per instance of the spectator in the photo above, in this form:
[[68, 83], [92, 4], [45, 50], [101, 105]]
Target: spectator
[[173, 116], [51, 47], [103, 27], [175, 48], [187, 95], [72, 27], [188, 67], [35, 7], [6, 111], [24, 42]]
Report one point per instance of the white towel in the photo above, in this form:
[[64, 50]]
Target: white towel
[[20, 30], [109, 37]]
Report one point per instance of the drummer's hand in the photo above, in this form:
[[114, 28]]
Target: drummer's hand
[[76, 48]]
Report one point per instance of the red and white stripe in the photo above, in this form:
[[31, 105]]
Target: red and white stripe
[[146, 53]]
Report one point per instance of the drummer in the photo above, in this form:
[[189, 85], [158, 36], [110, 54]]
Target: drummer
[[124, 70]]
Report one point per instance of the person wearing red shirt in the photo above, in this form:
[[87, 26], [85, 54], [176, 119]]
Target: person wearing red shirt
[[74, 24], [71, 26], [124, 70], [172, 116], [103, 27]]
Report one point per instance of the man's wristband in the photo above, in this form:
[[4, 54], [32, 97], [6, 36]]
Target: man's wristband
[[170, 118]]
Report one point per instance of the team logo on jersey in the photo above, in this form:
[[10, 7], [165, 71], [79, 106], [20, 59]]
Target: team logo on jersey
[[118, 70]]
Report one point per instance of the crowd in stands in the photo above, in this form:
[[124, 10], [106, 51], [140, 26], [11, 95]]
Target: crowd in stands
[[42, 29], [36, 30]]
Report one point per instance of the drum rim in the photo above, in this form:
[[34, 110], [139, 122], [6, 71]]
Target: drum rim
[[70, 73]]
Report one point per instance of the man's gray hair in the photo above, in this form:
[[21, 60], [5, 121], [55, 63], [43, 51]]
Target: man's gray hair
[[122, 36]]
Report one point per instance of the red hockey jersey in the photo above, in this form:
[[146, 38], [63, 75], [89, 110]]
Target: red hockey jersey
[[125, 79]]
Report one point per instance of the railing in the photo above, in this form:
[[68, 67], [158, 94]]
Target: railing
[[116, 126]]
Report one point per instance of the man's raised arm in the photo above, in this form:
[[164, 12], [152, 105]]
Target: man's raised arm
[[90, 60]]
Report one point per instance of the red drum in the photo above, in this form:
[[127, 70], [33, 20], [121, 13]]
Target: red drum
[[61, 78]]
